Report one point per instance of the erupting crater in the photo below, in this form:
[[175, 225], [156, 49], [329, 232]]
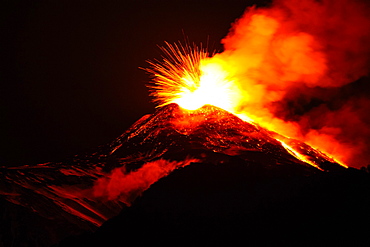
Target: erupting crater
[[188, 77]]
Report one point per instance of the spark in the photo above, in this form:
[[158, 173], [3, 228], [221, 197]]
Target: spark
[[177, 74], [187, 77]]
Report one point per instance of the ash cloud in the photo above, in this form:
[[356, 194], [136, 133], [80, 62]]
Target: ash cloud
[[297, 63]]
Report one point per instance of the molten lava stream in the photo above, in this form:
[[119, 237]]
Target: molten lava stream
[[298, 155]]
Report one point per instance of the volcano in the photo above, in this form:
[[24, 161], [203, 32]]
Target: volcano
[[181, 177]]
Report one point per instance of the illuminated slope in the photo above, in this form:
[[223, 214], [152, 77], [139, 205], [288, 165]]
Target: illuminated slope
[[173, 132]]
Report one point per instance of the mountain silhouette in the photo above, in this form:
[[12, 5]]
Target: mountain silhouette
[[179, 177]]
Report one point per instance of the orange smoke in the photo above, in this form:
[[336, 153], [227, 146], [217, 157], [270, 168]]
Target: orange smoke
[[280, 55], [283, 68], [126, 186]]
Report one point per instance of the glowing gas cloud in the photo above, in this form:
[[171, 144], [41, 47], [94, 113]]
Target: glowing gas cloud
[[126, 186], [279, 68]]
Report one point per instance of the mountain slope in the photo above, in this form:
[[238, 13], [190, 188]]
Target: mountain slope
[[76, 193], [172, 130]]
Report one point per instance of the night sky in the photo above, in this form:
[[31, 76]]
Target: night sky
[[70, 77]]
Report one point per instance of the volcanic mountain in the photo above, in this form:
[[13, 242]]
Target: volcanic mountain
[[219, 178]]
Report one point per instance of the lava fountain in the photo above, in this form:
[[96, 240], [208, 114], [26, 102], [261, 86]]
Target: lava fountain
[[188, 78]]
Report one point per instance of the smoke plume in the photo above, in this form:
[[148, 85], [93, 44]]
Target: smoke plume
[[126, 186], [294, 61]]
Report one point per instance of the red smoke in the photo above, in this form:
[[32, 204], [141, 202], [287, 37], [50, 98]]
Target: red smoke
[[126, 186], [294, 63]]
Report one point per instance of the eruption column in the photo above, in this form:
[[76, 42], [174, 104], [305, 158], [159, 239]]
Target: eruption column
[[275, 63]]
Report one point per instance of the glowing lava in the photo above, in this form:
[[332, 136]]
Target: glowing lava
[[189, 78], [214, 88], [298, 155]]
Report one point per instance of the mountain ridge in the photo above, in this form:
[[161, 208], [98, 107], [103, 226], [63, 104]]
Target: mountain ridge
[[65, 192]]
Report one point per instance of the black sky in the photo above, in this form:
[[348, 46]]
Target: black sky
[[70, 77]]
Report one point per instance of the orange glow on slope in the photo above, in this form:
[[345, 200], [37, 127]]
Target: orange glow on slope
[[298, 155]]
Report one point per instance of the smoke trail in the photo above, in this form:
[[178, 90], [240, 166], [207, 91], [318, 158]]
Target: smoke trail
[[290, 61], [126, 186]]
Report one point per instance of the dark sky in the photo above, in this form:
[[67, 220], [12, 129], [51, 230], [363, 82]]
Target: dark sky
[[70, 77]]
